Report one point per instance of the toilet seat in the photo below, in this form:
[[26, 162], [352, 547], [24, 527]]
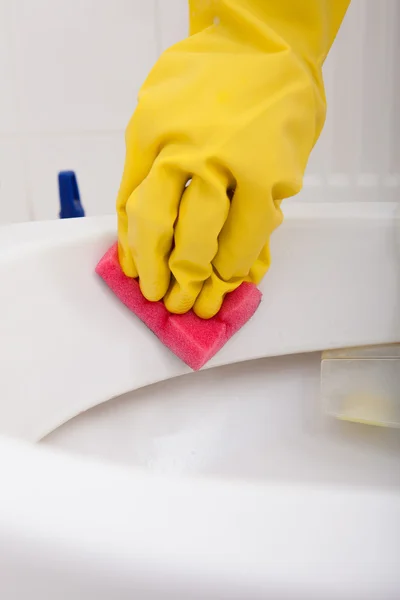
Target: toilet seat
[[63, 325], [77, 527]]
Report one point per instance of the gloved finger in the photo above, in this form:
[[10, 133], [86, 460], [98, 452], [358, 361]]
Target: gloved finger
[[137, 165], [152, 210], [124, 255], [239, 258], [261, 266], [252, 218], [202, 213], [214, 290], [212, 294]]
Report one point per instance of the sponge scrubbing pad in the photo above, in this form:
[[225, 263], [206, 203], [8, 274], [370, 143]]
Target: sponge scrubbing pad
[[192, 339]]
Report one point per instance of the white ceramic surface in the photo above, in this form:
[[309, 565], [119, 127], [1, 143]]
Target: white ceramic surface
[[78, 529], [252, 492], [334, 283]]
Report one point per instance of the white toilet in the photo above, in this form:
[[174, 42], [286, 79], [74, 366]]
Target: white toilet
[[238, 482]]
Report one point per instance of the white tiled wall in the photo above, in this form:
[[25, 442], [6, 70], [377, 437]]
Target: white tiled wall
[[358, 156], [172, 21], [70, 71], [69, 75]]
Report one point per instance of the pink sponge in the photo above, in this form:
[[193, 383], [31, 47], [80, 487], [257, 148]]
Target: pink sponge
[[192, 339]]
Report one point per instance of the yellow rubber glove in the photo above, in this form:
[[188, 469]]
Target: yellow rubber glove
[[236, 109]]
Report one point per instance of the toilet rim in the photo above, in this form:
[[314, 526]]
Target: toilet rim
[[158, 533], [200, 533], [115, 354]]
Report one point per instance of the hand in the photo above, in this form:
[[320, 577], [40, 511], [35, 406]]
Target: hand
[[222, 133]]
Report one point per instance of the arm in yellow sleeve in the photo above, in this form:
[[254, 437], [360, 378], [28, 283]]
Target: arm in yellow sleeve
[[309, 27], [235, 109]]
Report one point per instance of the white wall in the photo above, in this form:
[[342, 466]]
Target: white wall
[[70, 71], [358, 157]]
